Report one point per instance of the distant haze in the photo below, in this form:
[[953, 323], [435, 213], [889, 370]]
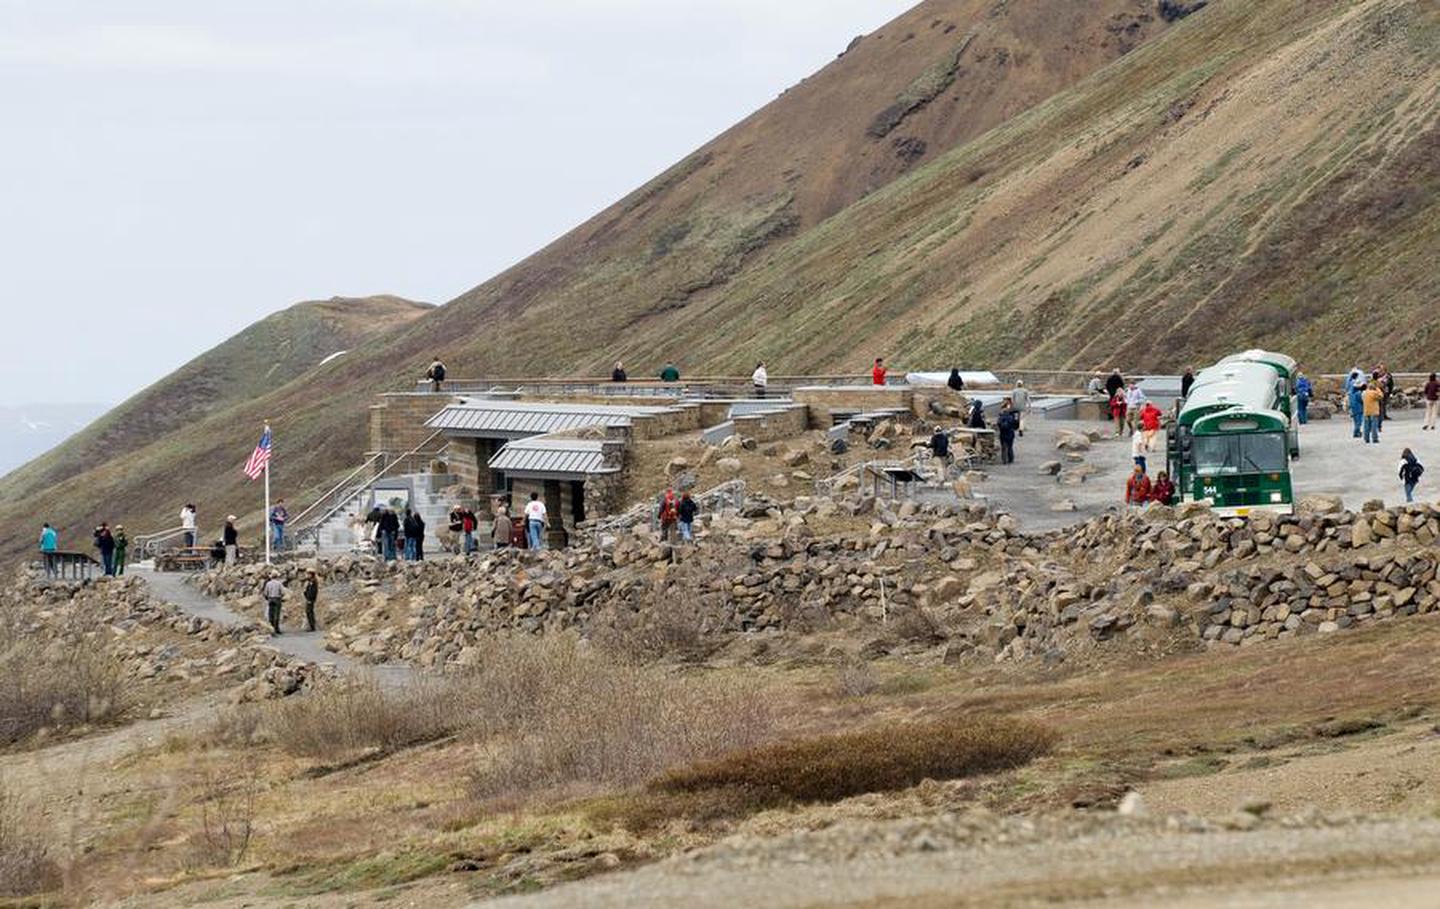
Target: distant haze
[[174, 171], [32, 430]]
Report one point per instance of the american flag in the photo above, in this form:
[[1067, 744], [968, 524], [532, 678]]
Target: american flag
[[258, 461]]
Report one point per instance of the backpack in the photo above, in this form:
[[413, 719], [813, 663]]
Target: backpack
[[668, 509], [438, 372], [1411, 471]]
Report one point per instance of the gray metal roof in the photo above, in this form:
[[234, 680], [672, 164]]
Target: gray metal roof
[[517, 419], [570, 457]]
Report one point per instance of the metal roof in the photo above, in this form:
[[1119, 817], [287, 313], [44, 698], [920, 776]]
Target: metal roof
[[1280, 362], [570, 457], [517, 419]]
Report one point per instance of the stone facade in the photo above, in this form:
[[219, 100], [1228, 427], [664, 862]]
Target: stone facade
[[823, 401]]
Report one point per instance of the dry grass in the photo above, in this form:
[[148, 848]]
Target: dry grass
[[557, 716], [27, 865], [341, 718], [67, 683]]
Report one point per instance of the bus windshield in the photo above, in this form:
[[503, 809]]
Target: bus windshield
[[1261, 452]]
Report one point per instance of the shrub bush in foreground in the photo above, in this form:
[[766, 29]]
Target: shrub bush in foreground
[[831, 767]]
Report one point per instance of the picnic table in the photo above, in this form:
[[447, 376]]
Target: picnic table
[[191, 558], [64, 563]]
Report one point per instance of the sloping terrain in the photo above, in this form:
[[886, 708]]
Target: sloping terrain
[[988, 182], [269, 353], [937, 77]]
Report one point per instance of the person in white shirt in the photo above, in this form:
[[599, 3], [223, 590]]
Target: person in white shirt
[[535, 521], [1134, 400], [760, 378], [187, 524]]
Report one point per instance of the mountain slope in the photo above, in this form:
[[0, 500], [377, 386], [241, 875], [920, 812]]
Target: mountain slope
[[1095, 186]]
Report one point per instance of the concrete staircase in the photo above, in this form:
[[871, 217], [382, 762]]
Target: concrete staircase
[[337, 537]]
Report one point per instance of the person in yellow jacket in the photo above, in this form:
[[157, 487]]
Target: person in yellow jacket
[[1372, 398]]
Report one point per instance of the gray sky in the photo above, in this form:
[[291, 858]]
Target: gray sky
[[173, 170]]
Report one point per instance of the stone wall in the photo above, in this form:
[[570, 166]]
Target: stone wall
[[774, 426], [397, 423], [823, 401]]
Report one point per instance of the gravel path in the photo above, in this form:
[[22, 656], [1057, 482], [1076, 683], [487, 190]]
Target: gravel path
[[1117, 862], [304, 645]]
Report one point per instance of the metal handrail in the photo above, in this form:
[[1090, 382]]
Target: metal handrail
[[146, 543], [315, 525], [337, 487]]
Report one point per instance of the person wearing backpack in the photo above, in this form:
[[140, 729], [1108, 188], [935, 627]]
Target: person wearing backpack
[[436, 374], [1410, 472], [1304, 391], [669, 515]]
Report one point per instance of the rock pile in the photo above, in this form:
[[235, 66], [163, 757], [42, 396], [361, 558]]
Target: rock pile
[[150, 640], [962, 581]]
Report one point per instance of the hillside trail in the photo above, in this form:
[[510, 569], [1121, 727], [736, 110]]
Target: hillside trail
[[308, 646]]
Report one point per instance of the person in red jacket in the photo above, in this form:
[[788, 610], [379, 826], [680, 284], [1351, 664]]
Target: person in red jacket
[[877, 375], [1162, 490], [1150, 416], [1137, 488], [1117, 412]]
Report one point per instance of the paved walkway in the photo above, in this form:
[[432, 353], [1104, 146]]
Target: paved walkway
[[303, 645]]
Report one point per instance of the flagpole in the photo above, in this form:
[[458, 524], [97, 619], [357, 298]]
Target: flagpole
[[265, 522]]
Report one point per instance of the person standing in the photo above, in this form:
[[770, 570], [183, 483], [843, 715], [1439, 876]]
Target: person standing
[[407, 527], [1095, 387], [1303, 392], [1432, 402], [188, 524], [105, 542], [689, 508], [1372, 400], [274, 593], [278, 516], [1410, 471], [311, 591], [671, 372], [1162, 491], [1021, 398], [1355, 401], [1006, 426], [502, 530], [1114, 383], [877, 372], [468, 523], [49, 543], [955, 381], [535, 518], [618, 373], [940, 447], [359, 532], [122, 548], [374, 534], [1117, 411], [1387, 388], [760, 379], [977, 415], [1187, 382], [1150, 417], [1137, 488], [1138, 450], [231, 538], [1134, 400], [419, 537], [436, 375], [389, 531], [669, 512]]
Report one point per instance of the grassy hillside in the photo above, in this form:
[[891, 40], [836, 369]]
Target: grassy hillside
[[985, 183], [69, 485]]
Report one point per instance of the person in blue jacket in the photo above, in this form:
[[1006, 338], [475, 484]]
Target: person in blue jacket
[[1303, 392], [1354, 391]]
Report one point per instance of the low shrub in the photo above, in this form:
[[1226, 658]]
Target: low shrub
[[342, 717], [556, 715], [27, 866], [880, 759], [54, 686]]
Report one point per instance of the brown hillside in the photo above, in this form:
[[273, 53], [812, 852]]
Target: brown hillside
[[1253, 174]]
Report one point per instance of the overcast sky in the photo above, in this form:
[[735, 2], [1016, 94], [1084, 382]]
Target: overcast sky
[[173, 170]]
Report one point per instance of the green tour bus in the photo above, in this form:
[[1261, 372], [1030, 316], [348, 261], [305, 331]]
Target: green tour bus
[[1232, 441]]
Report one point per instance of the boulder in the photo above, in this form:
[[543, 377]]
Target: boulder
[[730, 466]]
